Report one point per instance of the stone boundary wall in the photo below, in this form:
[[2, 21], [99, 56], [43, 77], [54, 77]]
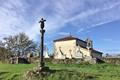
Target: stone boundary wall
[[70, 61], [65, 61], [50, 60], [111, 60]]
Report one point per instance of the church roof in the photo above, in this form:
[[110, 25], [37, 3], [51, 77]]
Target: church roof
[[68, 38], [95, 51]]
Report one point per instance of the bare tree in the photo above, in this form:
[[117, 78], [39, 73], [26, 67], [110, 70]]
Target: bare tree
[[20, 44], [5, 54], [1, 44]]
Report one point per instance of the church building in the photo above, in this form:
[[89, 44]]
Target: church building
[[71, 47]]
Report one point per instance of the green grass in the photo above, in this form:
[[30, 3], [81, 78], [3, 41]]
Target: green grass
[[64, 71], [14, 71], [100, 71]]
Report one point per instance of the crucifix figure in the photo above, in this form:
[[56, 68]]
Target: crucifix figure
[[42, 23], [42, 31]]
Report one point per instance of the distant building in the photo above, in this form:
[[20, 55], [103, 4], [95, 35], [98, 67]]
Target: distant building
[[72, 47]]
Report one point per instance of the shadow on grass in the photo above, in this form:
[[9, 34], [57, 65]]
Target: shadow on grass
[[14, 77], [2, 75], [62, 75]]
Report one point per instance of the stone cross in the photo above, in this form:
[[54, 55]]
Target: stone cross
[[42, 31]]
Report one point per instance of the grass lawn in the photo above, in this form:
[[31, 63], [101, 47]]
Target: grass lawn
[[14, 71], [64, 71]]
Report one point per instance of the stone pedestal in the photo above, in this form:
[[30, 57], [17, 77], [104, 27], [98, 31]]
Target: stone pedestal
[[37, 71], [40, 69]]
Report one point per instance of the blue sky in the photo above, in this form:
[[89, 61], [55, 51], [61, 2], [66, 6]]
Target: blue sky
[[96, 19]]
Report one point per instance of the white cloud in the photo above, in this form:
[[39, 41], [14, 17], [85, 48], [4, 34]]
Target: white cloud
[[23, 16], [111, 41], [64, 33], [96, 17], [10, 21]]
